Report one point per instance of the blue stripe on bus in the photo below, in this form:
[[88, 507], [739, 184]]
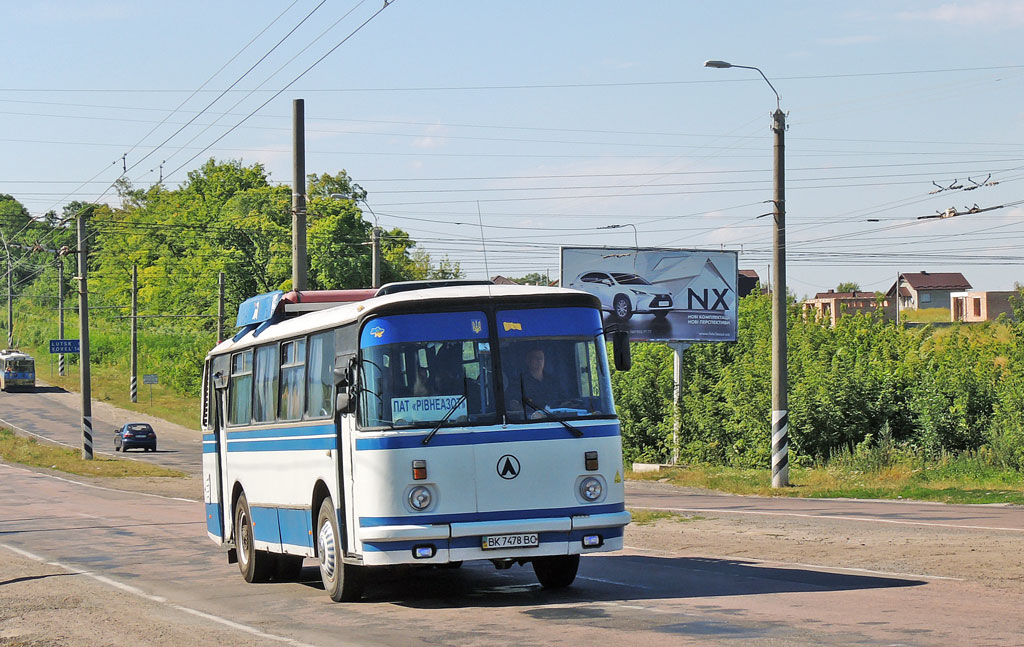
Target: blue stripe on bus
[[277, 432], [290, 526], [19, 376], [264, 524], [213, 519], [465, 517], [209, 448], [296, 526], [410, 441], [426, 326], [549, 322], [283, 444]]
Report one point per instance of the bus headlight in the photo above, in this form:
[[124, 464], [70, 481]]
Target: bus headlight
[[420, 498], [591, 489]]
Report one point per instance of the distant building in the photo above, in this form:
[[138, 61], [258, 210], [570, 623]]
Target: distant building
[[501, 280], [831, 305], [748, 280], [927, 289], [976, 306]]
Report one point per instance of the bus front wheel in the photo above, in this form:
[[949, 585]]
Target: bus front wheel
[[343, 582], [255, 565], [556, 571]]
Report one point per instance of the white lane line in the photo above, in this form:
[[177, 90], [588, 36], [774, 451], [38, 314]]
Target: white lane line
[[159, 600], [632, 586], [824, 567], [805, 515], [96, 487]]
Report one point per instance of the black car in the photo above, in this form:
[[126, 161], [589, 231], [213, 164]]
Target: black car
[[135, 434]]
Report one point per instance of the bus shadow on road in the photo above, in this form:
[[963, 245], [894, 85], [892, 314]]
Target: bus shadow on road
[[614, 578], [49, 389]]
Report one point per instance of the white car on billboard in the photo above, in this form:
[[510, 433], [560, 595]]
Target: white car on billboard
[[624, 294]]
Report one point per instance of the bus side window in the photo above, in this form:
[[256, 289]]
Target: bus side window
[[320, 375], [265, 383], [293, 378], [240, 389]]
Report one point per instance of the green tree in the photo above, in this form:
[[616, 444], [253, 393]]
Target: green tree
[[848, 286]]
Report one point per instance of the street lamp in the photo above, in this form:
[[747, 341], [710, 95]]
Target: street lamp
[[780, 406]]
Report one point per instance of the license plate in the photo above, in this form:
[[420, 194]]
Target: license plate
[[497, 542]]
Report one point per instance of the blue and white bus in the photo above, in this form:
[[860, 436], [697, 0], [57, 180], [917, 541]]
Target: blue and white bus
[[17, 371], [410, 425]]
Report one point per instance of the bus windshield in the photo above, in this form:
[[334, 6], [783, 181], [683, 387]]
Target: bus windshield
[[418, 369], [553, 364]]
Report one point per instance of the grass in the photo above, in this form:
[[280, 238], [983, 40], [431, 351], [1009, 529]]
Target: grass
[[925, 315], [27, 451], [648, 517], [956, 480], [110, 384]]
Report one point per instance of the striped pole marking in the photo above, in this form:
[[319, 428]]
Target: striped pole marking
[[780, 448], [60, 364], [87, 438], [135, 389]]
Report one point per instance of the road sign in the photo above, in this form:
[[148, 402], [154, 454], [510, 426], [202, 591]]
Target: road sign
[[60, 346], [150, 378]]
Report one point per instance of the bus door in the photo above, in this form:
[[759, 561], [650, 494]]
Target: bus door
[[215, 447], [345, 377]]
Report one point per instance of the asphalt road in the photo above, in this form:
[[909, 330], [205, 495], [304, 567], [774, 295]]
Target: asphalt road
[[156, 549]]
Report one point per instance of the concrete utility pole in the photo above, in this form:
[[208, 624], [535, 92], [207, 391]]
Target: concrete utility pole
[[10, 287], [135, 335], [220, 307], [60, 312], [780, 375], [375, 243], [298, 196], [780, 369], [83, 335]]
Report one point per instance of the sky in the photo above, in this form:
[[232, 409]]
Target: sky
[[495, 132]]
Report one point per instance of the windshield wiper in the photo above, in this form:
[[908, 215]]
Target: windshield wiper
[[437, 427], [550, 416]]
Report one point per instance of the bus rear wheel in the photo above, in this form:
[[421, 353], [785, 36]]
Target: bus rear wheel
[[343, 582], [556, 571], [255, 565]]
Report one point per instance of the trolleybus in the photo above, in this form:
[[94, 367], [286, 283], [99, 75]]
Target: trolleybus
[[411, 426], [17, 370]]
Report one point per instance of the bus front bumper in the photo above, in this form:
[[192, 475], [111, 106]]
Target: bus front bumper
[[456, 542]]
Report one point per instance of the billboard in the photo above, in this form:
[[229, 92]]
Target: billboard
[[677, 295]]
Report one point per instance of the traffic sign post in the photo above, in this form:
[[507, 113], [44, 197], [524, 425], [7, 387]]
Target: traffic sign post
[[150, 379], [62, 346]]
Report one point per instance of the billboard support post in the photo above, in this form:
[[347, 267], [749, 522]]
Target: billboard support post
[[677, 396]]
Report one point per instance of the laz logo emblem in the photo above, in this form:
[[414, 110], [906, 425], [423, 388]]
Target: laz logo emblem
[[508, 467]]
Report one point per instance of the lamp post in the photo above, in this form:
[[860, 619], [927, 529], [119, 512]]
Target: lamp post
[[780, 406]]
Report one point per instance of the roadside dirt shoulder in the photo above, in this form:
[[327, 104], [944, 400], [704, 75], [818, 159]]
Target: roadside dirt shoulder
[[989, 557]]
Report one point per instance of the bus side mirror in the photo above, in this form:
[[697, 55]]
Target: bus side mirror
[[620, 350]]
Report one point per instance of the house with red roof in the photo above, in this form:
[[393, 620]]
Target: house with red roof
[[927, 289]]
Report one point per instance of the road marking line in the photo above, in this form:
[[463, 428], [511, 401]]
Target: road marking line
[[802, 565], [156, 598], [597, 579], [829, 517], [97, 487]]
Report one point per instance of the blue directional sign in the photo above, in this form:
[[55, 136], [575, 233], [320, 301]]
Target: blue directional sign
[[58, 346]]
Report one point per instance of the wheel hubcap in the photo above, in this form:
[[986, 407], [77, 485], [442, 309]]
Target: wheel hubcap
[[325, 540]]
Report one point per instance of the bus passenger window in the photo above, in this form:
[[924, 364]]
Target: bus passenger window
[[265, 379], [293, 377], [240, 389], [320, 376]]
